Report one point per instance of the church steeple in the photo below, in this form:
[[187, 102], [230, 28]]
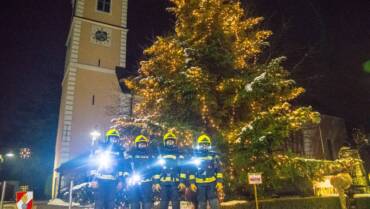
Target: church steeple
[[96, 45]]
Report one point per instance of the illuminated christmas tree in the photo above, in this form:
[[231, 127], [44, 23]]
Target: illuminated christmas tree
[[207, 76]]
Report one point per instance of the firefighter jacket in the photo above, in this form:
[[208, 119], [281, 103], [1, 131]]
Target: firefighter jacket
[[206, 168], [108, 162], [141, 162], [169, 167]]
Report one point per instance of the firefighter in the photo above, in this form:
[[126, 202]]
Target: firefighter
[[139, 181], [206, 178], [170, 177], [108, 160]]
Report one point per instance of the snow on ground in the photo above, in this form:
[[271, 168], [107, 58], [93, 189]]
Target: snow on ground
[[233, 202], [60, 202]]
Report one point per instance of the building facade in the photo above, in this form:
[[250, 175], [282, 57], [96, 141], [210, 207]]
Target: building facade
[[91, 95], [321, 141]]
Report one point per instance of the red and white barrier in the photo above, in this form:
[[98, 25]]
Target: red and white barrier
[[24, 200]]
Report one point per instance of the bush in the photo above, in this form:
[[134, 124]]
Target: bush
[[293, 203], [362, 202]]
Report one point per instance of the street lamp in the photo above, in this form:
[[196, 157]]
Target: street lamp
[[94, 136], [4, 157], [10, 155]]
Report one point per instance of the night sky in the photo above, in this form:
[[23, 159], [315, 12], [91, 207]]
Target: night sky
[[326, 43]]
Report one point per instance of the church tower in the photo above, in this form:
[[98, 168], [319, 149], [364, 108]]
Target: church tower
[[91, 95]]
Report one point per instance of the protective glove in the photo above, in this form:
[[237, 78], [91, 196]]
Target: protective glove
[[181, 187], [219, 187], [156, 187], [94, 184], [119, 186], [193, 187], [220, 191]]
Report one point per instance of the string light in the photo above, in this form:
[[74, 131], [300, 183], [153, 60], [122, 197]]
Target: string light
[[170, 87]]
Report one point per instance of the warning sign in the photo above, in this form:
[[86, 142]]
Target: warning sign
[[255, 178], [24, 200]]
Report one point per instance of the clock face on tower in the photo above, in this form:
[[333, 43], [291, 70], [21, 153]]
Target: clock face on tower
[[101, 35]]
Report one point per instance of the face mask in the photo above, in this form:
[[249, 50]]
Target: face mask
[[142, 145], [170, 143], [113, 140], [204, 146]]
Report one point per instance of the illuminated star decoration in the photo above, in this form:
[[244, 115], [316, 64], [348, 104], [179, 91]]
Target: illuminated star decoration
[[25, 153]]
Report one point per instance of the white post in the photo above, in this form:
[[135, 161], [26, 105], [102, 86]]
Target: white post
[[70, 195], [3, 195]]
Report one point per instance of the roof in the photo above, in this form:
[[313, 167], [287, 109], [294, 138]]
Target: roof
[[79, 163]]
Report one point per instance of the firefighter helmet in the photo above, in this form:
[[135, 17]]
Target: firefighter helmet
[[141, 139], [169, 136], [112, 136], [204, 139]]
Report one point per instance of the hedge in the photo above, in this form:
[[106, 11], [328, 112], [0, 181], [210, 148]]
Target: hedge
[[291, 203], [300, 203], [362, 202]]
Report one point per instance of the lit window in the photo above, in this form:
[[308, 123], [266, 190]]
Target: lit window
[[104, 5]]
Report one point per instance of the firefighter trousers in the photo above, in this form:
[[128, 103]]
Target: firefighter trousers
[[169, 193], [207, 193], [105, 194], [141, 194]]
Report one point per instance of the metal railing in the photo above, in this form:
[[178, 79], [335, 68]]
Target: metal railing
[[3, 189]]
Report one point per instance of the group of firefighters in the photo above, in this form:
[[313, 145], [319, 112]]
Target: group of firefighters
[[168, 172]]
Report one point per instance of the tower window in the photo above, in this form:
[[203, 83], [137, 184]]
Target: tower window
[[104, 5]]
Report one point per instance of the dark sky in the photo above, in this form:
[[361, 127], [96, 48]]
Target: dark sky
[[33, 35], [31, 63], [326, 43]]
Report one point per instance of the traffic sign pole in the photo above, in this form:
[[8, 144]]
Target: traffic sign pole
[[255, 195], [254, 179]]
